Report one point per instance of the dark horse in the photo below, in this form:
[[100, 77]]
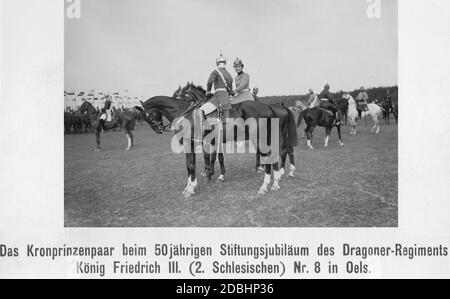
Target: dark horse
[[318, 117], [154, 108], [388, 109], [342, 105], [122, 120]]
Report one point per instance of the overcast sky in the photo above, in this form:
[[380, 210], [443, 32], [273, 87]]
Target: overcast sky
[[149, 47]]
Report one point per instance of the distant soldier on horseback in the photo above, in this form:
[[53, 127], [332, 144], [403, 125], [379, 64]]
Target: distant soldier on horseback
[[106, 114], [362, 101], [327, 102], [388, 97], [222, 82], [313, 99]]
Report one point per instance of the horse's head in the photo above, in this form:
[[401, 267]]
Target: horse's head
[[153, 117], [349, 98], [83, 108]]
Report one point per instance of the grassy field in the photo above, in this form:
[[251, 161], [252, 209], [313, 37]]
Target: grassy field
[[352, 186]]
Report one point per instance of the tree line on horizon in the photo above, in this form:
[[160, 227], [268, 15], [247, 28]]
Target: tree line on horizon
[[374, 93]]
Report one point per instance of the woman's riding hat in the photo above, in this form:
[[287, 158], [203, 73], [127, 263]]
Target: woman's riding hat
[[237, 63]]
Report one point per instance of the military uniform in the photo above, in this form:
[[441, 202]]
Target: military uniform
[[313, 100], [327, 102], [222, 81], [106, 111], [221, 91], [362, 99]]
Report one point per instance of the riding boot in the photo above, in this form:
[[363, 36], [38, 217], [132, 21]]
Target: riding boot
[[337, 119], [198, 125]]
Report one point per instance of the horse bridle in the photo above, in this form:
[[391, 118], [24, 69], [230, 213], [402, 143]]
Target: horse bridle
[[158, 124]]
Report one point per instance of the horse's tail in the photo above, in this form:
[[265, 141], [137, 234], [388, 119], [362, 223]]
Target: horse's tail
[[291, 130], [301, 115]]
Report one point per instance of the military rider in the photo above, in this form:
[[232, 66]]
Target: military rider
[[222, 82], [106, 114], [362, 101], [388, 97], [313, 99], [326, 102]]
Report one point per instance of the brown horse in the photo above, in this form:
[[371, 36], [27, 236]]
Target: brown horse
[[156, 107], [317, 117], [121, 120]]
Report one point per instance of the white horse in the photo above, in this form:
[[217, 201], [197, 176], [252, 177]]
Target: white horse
[[374, 112]]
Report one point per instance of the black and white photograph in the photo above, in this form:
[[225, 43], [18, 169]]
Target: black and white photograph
[[224, 147], [253, 113]]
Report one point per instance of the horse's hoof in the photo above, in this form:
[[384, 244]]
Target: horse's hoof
[[291, 176], [342, 144], [275, 188], [262, 191], [220, 179], [97, 150]]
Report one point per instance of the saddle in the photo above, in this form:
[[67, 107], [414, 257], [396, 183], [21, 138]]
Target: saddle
[[219, 113], [327, 111]]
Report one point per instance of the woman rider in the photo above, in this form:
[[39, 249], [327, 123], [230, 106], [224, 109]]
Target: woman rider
[[326, 102], [242, 91]]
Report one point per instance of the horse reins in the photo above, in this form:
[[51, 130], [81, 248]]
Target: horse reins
[[158, 124]]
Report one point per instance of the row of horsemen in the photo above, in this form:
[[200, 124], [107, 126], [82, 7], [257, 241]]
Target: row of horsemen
[[76, 122], [225, 95]]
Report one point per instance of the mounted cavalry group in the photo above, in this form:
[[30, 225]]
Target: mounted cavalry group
[[223, 117]]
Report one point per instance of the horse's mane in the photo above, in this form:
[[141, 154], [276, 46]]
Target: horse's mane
[[200, 88]]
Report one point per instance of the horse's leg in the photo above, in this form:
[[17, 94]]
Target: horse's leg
[[192, 180], [222, 168], [207, 158], [283, 155], [276, 177], [259, 167], [97, 139], [327, 136], [129, 139], [258, 161], [308, 131], [340, 136], [264, 188], [213, 162], [377, 123], [292, 162]]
